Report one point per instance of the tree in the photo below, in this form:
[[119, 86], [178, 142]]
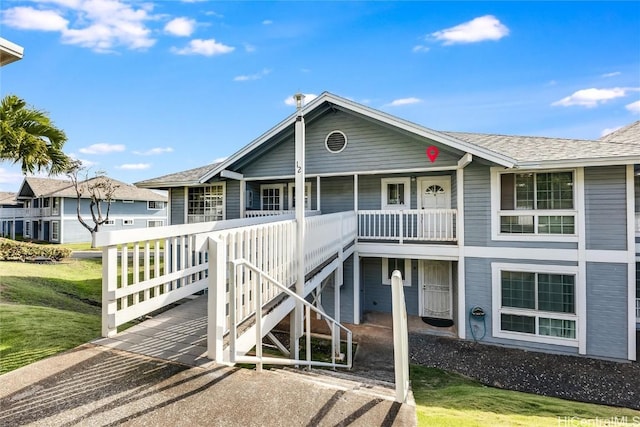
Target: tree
[[99, 190], [29, 136]]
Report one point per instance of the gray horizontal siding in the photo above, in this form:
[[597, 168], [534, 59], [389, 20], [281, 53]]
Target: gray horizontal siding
[[370, 146], [336, 194], [346, 294], [377, 297], [606, 207], [232, 199], [177, 196], [607, 312], [478, 293]]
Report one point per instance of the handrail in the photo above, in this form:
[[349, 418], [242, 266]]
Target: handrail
[[400, 338], [259, 359]]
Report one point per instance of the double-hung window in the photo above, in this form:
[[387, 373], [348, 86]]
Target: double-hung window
[[535, 305], [537, 203], [403, 265], [55, 231], [205, 204], [271, 197]]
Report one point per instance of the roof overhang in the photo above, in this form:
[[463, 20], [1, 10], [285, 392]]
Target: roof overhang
[[9, 52], [601, 161], [371, 113]]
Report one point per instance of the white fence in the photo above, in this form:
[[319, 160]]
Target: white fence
[[253, 214], [147, 269], [401, 225]]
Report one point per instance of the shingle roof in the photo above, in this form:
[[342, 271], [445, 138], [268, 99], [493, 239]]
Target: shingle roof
[[540, 149], [7, 198], [191, 176], [47, 187], [627, 134]]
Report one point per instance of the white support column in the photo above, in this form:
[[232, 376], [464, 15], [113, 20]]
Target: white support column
[[355, 193], [243, 197], [581, 285], [356, 288], [61, 217], [216, 299], [337, 283], [462, 306], [631, 264], [318, 193], [299, 171], [109, 285]]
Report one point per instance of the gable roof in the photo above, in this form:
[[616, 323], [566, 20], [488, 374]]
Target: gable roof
[[7, 198], [178, 179], [48, 187], [627, 134]]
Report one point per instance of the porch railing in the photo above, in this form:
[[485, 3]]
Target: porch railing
[[28, 212], [408, 225], [253, 214]]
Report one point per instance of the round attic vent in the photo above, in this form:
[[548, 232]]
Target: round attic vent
[[336, 141]]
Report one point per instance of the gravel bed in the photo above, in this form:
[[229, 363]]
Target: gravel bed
[[570, 377]]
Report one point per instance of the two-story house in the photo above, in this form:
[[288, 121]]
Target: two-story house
[[48, 211], [517, 241]]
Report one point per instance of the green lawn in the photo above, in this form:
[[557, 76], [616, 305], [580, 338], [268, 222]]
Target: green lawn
[[447, 399], [47, 308]]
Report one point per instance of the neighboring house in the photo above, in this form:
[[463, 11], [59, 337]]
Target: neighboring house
[[539, 233], [8, 205], [49, 211]]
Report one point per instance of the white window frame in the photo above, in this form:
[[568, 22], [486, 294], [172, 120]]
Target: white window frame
[[155, 203], [307, 197], [406, 281], [127, 201], [55, 231], [161, 221], [128, 222], [272, 186], [384, 183], [188, 216], [497, 213], [497, 310], [27, 229]]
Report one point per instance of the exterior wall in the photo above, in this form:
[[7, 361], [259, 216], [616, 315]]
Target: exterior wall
[[606, 207], [369, 147], [232, 199], [606, 310], [377, 297], [177, 197], [336, 194], [346, 294]]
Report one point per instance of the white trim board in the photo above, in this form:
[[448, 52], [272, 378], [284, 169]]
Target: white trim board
[[545, 254]]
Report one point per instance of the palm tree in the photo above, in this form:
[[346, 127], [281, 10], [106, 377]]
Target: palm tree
[[29, 136]]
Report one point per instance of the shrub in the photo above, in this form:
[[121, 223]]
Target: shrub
[[11, 250]]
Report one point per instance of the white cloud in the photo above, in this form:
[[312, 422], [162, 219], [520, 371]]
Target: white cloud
[[308, 97], [267, 22], [203, 47], [634, 107], [479, 29], [134, 166], [607, 131], [249, 48], [592, 97], [102, 148], [220, 159], [613, 74], [420, 48], [27, 18], [181, 27], [256, 76], [154, 151], [404, 101], [100, 25]]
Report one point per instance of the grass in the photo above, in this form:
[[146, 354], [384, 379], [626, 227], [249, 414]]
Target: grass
[[47, 308], [448, 399]]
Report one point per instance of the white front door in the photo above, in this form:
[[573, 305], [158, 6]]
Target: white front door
[[435, 288], [434, 197]]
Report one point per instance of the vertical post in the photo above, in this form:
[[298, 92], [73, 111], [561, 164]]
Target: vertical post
[[337, 283], [258, 296], [109, 285], [318, 193], [356, 288], [401, 226], [216, 298], [299, 170], [243, 197], [400, 338], [355, 193]]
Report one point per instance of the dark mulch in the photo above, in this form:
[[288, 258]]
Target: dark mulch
[[569, 377]]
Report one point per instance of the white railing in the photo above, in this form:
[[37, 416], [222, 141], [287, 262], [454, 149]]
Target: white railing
[[402, 225], [262, 288], [149, 268], [638, 310], [28, 212], [400, 338], [253, 214]]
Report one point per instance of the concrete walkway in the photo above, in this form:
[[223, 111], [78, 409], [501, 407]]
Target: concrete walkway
[[157, 374]]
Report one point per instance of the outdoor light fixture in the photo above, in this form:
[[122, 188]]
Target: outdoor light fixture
[[299, 98]]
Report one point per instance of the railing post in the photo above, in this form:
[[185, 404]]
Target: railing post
[[109, 285], [258, 296], [401, 227], [400, 338], [216, 302]]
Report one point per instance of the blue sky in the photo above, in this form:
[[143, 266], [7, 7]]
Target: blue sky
[[143, 89]]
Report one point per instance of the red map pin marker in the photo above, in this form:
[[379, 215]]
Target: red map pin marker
[[432, 153]]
